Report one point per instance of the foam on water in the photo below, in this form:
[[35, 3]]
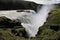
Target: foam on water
[[35, 21]]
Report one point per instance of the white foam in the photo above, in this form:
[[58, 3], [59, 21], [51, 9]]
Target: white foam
[[33, 22]]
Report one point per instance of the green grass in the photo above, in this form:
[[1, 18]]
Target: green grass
[[54, 17], [6, 35]]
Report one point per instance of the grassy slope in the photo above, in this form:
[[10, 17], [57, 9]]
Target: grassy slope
[[51, 29]]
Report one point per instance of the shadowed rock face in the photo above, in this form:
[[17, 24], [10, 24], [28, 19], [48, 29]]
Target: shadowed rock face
[[17, 5]]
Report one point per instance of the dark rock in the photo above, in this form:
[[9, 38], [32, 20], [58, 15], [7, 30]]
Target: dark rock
[[17, 5]]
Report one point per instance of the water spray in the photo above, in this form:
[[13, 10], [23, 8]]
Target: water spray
[[37, 20]]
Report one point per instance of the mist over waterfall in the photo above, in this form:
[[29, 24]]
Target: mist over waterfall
[[36, 20]]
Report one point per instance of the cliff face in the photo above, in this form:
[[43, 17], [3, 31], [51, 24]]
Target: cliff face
[[17, 5]]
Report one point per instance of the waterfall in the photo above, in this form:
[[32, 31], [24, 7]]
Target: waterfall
[[36, 20], [32, 21]]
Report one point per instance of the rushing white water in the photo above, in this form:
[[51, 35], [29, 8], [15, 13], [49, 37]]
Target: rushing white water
[[13, 14], [34, 21]]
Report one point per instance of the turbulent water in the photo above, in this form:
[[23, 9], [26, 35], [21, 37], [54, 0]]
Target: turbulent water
[[34, 21], [14, 14], [31, 21]]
